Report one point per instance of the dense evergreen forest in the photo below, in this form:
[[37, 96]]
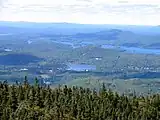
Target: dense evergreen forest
[[34, 102]]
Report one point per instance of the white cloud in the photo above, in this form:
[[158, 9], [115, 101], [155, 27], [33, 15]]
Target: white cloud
[[83, 11]]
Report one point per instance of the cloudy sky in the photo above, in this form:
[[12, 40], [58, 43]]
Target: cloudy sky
[[140, 12]]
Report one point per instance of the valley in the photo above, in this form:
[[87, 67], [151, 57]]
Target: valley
[[124, 60]]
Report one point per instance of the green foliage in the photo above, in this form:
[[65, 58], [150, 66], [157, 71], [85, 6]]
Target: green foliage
[[36, 82], [26, 102]]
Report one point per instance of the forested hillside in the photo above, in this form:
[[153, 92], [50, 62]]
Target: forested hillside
[[26, 102]]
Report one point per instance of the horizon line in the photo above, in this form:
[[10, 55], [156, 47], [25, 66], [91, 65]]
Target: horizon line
[[40, 22]]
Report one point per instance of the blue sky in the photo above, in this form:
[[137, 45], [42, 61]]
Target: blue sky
[[135, 12]]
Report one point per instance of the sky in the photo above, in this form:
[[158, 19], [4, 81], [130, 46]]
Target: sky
[[131, 12]]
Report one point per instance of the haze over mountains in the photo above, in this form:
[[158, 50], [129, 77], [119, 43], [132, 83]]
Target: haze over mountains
[[72, 28], [114, 51]]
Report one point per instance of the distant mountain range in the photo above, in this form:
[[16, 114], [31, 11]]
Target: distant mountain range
[[125, 35], [72, 28], [111, 34]]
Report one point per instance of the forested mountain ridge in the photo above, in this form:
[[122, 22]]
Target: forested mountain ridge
[[26, 102], [72, 28]]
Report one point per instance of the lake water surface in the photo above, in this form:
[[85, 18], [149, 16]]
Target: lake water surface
[[81, 67], [133, 49]]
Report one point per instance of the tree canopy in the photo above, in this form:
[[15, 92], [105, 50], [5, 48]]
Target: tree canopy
[[27, 102]]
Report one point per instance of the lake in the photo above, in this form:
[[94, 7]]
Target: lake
[[133, 49], [81, 67], [75, 45]]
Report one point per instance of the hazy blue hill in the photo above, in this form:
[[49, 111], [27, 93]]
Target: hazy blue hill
[[49, 28], [155, 46], [13, 30], [131, 44], [18, 59], [72, 28], [111, 34], [121, 34]]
